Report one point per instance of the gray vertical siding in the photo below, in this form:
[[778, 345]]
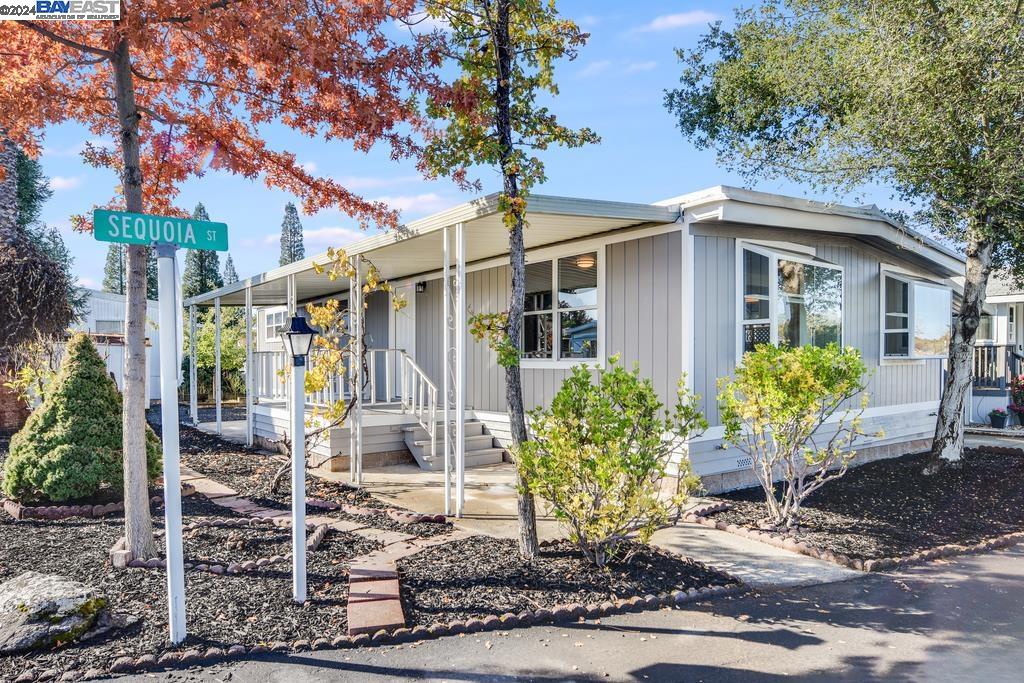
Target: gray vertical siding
[[643, 323], [715, 319]]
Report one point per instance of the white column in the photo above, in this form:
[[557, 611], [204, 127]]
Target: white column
[[193, 373], [460, 369], [447, 371], [216, 364], [249, 369], [169, 366], [298, 429], [359, 369], [289, 312]]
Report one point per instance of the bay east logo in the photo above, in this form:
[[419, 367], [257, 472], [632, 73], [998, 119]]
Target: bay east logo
[[77, 9]]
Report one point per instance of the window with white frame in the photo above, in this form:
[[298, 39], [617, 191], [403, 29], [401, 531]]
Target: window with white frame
[[109, 327], [986, 330], [916, 318], [1011, 325], [275, 324], [560, 320], [789, 299]]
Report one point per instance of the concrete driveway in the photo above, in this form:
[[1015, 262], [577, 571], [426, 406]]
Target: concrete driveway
[[961, 620]]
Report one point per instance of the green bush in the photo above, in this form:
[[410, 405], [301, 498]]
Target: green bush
[[600, 454], [70, 447], [775, 410]]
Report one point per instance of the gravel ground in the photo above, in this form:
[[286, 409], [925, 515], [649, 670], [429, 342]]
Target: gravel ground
[[888, 508], [481, 575]]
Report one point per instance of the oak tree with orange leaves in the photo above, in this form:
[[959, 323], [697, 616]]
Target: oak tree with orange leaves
[[186, 84]]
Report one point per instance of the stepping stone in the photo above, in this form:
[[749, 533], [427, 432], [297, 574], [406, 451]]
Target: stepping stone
[[372, 615], [344, 525], [267, 513], [375, 589], [188, 474], [358, 573], [238, 504], [211, 489], [383, 536]]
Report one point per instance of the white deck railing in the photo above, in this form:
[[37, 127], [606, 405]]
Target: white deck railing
[[392, 378]]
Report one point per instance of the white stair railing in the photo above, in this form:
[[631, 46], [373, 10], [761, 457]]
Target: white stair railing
[[419, 397]]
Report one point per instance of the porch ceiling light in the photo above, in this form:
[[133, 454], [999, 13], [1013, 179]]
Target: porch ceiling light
[[586, 261], [299, 339]]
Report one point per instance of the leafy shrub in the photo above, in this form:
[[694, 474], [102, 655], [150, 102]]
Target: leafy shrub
[[70, 446], [600, 454], [773, 408]]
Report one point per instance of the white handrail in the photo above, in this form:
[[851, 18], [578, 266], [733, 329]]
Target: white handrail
[[417, 394]]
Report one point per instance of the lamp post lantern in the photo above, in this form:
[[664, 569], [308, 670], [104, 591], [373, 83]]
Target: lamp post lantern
[[299, 340]]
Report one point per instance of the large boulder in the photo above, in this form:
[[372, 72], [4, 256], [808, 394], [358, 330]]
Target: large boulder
[[41, 610]]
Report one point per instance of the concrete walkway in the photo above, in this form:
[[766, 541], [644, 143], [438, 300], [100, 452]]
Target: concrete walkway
[[756, 564], [231, 430], [955, 621]]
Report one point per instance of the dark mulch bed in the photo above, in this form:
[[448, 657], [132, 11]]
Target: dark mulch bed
[[221, 610], [250, 473], [887, 508], [480, 576]]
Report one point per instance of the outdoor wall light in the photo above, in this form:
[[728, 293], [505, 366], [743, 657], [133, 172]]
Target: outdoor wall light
[[421, 287], [586, 261], [299, 339]]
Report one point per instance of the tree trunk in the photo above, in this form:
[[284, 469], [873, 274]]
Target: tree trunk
[[8, 189], [138, 525], [949, 427], [525, 507]]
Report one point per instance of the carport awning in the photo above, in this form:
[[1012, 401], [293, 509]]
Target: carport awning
[[417, 248]]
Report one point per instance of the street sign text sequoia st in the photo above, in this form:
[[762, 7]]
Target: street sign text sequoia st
[[139, 228]]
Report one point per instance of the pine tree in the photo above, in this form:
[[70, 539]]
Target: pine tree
[[230, 274], [202, 267], [33, 190], [71, 445], [114, 274], [292, 248], [152, 277]]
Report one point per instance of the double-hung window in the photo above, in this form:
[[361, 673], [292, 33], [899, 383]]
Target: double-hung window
[[560, 320], [916, 318], [788, 299], [275, 323]]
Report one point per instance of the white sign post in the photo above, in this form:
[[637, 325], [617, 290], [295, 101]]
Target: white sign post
[[169, 348]]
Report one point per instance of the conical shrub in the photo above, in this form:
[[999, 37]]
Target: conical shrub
[[70, 447]]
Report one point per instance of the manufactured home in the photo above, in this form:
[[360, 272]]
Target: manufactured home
[[998, 348], [684, 285]]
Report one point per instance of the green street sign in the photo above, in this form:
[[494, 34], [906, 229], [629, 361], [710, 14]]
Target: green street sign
[[141, 228]]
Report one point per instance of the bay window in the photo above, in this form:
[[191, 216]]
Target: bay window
[[560, 319], [789, 299], [916, 318]]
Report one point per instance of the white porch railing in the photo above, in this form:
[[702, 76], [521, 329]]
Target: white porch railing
[[392, 377]]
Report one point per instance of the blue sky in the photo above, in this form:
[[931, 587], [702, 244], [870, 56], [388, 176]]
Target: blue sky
[[615, 86]]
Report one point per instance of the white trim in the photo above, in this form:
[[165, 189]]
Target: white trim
[[567, 251], [902, 275], [774, 255], [717, 433]]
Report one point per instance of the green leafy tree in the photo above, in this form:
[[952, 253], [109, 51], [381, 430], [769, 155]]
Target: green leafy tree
[[232, 354], [70, 448], [33, 190], [230, 276], [202, 267], [600, 455], [504, 51], [292, 247], [114, 274], [923, 95], [152, 275], [775, 410]]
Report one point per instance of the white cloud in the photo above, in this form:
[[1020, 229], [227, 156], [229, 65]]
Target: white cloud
[[667, 22], [594, 68], [420, 23], [58, 183], [357, 183], [418, 203], [308, 167], [88, 283], [332, 236], [637, 67], [76, 149]]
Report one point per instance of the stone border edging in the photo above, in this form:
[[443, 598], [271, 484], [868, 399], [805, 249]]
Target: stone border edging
[[58, 512], [699, 515], [397, 515], [554, 615]]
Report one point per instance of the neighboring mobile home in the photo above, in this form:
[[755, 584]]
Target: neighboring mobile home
[[682, 285], [999, 348]]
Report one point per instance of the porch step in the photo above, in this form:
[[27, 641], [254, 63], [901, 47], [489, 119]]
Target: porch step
[[483, 456], [480, 446]]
